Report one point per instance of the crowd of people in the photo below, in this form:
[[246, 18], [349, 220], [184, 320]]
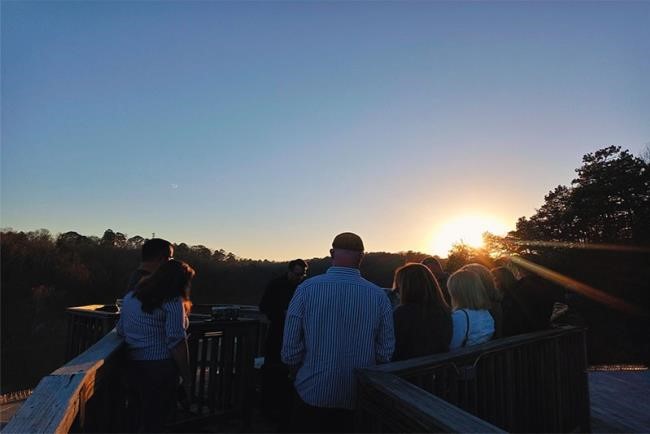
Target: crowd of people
[[321, 329]]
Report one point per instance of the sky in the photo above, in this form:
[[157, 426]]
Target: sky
[[266, 128]]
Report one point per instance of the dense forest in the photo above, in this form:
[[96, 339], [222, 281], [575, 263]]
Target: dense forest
[[596, 231]]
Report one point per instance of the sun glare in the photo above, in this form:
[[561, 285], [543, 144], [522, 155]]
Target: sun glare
[[466, 229]]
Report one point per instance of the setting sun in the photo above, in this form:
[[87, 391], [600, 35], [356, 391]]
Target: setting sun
[[467, 229]]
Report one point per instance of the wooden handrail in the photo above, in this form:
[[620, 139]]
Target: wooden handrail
[[408, 408], [531, 382], [60, 398], [469, 355]]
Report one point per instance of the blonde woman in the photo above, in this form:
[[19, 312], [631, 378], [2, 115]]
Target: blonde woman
[[494, 295], [472, 322]]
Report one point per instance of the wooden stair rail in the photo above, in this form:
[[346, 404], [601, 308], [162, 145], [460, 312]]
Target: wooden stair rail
[[405, 407], [535, 382], [61, 400]]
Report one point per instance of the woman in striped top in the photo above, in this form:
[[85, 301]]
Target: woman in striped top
[[153, 320]]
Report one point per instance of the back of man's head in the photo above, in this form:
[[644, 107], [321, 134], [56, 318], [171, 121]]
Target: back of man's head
[[297, 263], [347, 250], [157, 249], [433, 264]]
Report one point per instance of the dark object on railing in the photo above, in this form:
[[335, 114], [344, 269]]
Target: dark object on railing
[[226, 313], [535, 382]]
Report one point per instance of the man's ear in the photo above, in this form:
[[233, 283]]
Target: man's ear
[[332, 253]]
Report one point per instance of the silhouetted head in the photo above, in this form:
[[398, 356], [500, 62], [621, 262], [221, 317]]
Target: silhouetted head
[[416, 284], [504, 280], [486, 278], [172, 279], [466, 291], [347, 250], [433, 265], [297, 270], [157, 250]]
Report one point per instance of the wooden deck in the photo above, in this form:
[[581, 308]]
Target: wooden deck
[[620, 401]]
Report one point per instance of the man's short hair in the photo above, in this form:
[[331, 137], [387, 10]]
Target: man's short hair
[[348, 241], [434, 262], [295, 262], [155, 248]]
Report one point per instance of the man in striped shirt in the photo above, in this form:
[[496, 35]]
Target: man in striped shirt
[[336, 322]]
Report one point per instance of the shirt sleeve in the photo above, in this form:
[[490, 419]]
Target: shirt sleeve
[[174, 321], [293, 343], [385, 343], [458, 327]]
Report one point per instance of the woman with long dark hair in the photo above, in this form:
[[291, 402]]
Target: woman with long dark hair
[[423, 319], [153, 320]]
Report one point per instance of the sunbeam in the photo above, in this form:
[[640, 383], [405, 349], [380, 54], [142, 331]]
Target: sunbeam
[[585, 246], [579, 287]]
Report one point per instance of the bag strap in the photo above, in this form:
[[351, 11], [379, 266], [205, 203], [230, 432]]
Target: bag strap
[[466, 328]]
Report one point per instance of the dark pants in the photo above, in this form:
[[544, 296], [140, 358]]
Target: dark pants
[[307, 418], [152, 393], [277, 394]]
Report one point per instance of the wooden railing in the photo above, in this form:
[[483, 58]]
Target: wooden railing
[[89, 392], [87, 325], [387, 403], [222, 365], [528, 383], [82, 395]]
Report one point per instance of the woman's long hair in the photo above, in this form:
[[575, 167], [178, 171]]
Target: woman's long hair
[[487, 280], [172, 279], [467, 291], [416, 284]]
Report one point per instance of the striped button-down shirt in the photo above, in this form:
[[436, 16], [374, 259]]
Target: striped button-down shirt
[[336, 322], [151, 336]]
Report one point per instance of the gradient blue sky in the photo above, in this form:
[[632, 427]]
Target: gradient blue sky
[[267, 128]]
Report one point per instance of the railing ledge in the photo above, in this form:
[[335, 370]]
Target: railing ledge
[[58, 398]]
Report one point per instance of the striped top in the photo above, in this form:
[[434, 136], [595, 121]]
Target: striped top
[[151, 336], [336, 322]]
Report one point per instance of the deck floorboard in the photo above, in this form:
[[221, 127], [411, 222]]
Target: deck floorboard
[[620, 401]]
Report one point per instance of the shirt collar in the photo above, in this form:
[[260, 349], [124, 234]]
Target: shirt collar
[[343, 271]]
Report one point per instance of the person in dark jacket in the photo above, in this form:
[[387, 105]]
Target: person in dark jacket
[[276, 386], [423, 319]]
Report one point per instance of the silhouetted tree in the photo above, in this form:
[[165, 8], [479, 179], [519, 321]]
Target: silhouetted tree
[[108, 239], [219, 255], [201, 252], [609, 202], [135, 242]]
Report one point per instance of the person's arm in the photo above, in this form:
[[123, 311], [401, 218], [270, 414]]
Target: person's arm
[[176, 339], [181, 356], [293, 343], [385, 343]]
